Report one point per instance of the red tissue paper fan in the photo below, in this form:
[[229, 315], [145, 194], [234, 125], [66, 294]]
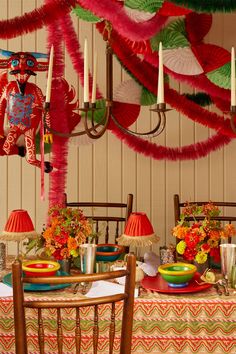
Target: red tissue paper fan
[[211, 56], [197, 26]]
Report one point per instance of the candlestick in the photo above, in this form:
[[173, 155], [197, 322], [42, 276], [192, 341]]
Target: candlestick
[[49, 81], [94, 78], [232, 77], [160, 87], [86, 72]]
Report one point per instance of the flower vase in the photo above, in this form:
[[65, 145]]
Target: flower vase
[[201, 267], [65, 265]]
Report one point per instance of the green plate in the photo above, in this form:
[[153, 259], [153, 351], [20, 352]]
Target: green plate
[[7, 279]]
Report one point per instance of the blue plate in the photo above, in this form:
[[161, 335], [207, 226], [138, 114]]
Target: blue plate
[[7, 279]]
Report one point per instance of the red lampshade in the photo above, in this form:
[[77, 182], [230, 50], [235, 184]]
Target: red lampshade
[[138, 231], [18, 226]]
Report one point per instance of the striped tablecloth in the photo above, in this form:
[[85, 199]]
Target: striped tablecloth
[[199, 323]]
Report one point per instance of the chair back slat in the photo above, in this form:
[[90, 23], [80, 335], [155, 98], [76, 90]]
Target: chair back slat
[[77, 331], [95, 330], [112, 329], [105, 224], [41, 304], [59, 332], [40, 331]]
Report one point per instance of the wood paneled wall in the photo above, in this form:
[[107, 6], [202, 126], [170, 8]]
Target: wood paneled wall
[[107, 169]]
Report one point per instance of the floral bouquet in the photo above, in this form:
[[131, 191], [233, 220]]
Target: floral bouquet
[[200, 240], [67, 229]]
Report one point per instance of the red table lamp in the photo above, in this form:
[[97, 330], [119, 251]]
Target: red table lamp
[[138, 231], [18, 227]]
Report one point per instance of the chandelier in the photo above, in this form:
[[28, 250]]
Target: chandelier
[[94, 129]]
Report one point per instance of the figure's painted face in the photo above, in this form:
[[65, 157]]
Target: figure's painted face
[[22, 65]]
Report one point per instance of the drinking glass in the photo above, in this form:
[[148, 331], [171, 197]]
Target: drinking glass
[[227, 258], [87, 257]]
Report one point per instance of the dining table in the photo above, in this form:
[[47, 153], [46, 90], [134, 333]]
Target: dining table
[[199, 321]]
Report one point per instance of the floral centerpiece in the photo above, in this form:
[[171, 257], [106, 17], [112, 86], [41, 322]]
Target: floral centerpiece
[[67, 229], [200, 240]]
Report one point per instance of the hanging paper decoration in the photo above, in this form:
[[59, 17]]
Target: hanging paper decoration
[[137, 29], [145, 5], [138, 16]]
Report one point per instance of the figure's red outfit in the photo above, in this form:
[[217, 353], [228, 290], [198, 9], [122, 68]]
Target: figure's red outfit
[[24, 113]]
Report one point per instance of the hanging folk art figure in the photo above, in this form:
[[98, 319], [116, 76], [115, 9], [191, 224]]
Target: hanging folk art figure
[[22, 102]]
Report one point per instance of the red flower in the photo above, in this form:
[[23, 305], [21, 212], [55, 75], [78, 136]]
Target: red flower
[[215, 254], [57, 254], [192, 239], [205, 247], [189, 254], [62, 238]]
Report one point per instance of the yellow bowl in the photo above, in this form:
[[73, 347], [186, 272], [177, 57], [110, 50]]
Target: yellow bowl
[[40, 268]]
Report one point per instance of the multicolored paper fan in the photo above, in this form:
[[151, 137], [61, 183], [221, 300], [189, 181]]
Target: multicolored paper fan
[[125, 113], [138, 16], [145, 5], [128, 91], [217, 58], [197, 26], [170, 39], [147, 98], [169, 9], [85, 15], [182, 61], [221, 76], [81, 139]]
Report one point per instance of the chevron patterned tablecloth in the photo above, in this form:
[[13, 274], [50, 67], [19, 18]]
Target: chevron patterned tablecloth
[[199, 323]]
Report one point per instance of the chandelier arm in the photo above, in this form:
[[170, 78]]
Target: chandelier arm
[[152, 133], [93, 133], [67, 135]]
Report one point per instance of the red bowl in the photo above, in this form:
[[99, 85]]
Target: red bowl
[[40, 268]]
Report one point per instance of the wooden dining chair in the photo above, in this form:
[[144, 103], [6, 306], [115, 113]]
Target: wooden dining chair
[[21, 306], [223, 206], [106, 226]]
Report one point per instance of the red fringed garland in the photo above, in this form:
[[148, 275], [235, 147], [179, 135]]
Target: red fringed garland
[[113, 11], [59, 119], [35, 19]]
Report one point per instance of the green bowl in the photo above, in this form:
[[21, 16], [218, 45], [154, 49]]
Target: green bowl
[[108, 252], [177, 274]]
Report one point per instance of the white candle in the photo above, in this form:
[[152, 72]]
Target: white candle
[[232, 77], [49, 82], [160, 84], [94, 78], [86, 72]]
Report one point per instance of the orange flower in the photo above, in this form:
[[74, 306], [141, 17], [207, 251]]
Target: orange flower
[[180, 231], [214, 234], [72, 243]]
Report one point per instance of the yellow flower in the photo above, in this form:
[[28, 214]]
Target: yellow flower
[[181, 245], [201, 257]]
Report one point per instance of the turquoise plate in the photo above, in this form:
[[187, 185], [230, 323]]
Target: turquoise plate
[[37, 287]]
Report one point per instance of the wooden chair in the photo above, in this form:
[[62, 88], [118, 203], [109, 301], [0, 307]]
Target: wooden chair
[[21, 306], [110, 227], [178, 206]]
